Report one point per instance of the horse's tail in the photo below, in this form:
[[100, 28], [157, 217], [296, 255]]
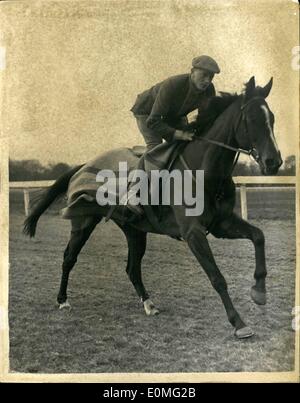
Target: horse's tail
[[46, 199]]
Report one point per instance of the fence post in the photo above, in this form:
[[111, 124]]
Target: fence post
[[244, 211], [26, 202]]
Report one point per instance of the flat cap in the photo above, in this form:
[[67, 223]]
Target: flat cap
[[206, 62]]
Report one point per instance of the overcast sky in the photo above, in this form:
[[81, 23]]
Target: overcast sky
[[73, 69]]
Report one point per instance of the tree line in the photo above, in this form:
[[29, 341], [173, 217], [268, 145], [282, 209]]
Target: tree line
[[34, 170]]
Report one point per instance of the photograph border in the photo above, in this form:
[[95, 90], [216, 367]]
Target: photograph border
[[7, 376]]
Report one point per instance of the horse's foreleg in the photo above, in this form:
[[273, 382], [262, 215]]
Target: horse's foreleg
[[236, 228], [197, 241], [81, 230], [136, 249]]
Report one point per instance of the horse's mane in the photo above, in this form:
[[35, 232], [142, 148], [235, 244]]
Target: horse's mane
[[215, 107]]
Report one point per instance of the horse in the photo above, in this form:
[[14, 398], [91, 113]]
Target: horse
[[244, 124]]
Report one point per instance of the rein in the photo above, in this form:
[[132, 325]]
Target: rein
[[252, 152], [220, 144]]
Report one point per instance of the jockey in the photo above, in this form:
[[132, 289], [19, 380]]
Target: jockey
[[161, 111]]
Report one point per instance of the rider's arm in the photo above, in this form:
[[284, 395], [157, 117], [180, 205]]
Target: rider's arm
[[160, 110]]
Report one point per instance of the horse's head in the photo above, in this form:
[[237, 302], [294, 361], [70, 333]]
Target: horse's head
[[255, 130]]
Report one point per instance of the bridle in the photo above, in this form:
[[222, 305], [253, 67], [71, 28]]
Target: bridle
[[252, 152]]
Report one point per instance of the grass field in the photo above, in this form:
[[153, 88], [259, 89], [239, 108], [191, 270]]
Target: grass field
[[107, 330]]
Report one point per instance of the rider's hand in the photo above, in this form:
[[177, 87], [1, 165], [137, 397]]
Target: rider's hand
[[182, 135]]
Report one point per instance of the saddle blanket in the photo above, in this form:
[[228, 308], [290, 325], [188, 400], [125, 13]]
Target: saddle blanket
[[83, 190]]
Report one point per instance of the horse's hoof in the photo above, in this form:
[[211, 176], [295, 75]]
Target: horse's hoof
[[150, 308], [259, 297], [244, 333], [64, 305]]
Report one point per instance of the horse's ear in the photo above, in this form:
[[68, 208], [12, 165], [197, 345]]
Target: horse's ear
[[265, 91], [250, 87]]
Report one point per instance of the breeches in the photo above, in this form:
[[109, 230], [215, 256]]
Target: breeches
[[152, 138]]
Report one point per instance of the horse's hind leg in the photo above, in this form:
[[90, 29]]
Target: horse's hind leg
[[136, 249], [82, 228], [235, 227]]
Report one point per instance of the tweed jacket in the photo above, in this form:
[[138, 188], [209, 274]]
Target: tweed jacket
[[167, 102]]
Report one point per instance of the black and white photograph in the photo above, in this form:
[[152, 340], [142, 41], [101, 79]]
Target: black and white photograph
[[149, 190]]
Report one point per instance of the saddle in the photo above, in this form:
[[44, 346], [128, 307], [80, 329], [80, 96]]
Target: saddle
[[160, 157]]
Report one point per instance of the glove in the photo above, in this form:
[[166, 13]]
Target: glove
[[182, 135]]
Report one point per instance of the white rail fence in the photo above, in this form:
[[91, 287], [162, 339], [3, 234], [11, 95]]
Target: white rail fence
[[240, 181]]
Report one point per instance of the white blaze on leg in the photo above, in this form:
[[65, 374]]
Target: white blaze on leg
[[150, 308], [64, 305], [267, 115]]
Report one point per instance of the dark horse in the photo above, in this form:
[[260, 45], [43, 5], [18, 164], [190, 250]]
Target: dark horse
[[244, 122]]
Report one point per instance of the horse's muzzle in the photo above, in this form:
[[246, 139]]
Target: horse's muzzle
[[270, 166]]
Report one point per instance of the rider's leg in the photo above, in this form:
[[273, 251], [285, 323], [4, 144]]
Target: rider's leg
[[152, 139]]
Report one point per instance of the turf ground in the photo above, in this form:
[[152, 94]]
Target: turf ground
[[107, 330]]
